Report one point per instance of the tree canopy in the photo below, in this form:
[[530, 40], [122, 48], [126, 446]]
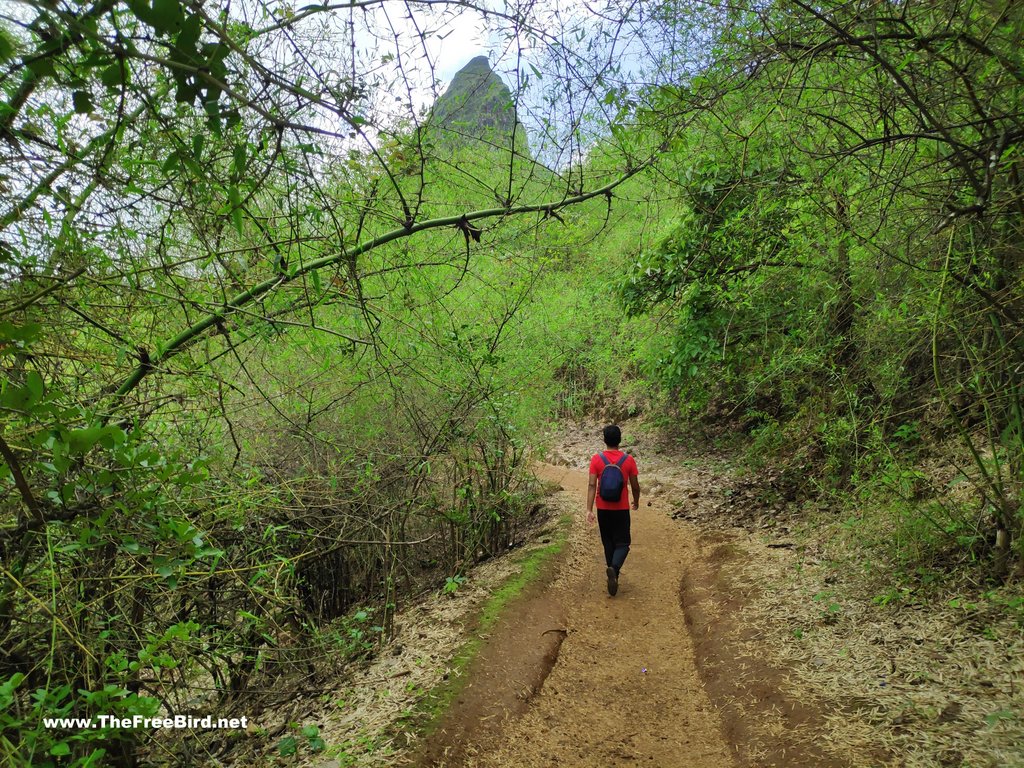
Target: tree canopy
[[282, 313]]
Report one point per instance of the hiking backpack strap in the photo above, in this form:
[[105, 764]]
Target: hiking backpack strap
[[619, 463]]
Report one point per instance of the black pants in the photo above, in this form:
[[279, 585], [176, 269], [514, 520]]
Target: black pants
[[614, 526]]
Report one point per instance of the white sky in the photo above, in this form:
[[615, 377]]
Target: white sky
[[413, 49], [440, 40]]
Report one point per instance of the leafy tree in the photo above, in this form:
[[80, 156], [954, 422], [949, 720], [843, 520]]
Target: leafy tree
[[251, 323], [849, 194]]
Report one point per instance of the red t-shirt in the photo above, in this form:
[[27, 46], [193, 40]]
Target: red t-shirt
[[628, 470]]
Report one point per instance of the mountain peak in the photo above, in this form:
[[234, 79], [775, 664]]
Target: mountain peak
[[478, 106]]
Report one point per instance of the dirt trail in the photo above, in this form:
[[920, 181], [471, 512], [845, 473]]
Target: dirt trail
[[624, 689]]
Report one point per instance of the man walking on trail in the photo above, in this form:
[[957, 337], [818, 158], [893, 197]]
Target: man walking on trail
[[611, 471]]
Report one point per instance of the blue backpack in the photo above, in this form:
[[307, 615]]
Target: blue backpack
[[612, 481]]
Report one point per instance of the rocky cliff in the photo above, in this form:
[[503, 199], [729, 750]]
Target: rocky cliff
[[478, 107]]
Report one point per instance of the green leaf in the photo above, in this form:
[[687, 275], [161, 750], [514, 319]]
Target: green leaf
[[238, 163], [112, 76], [111, 437], [43, 67], [171, 163], [142, 10], [191, 29], [167, 16], [236, 207], [289, 746], [8, 687], [1003, 714], [19, 334], [94, 759], [34, 385], [60, 749], [18, 398], [8, 46], [82, 440], [82, 100]]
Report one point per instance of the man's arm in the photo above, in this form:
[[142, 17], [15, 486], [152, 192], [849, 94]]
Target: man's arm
[[634, 483], [591, 495]]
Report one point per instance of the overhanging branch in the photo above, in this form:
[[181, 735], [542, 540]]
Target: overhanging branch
[[176, 344]]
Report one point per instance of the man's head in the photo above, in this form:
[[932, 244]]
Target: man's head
[[612, 436]]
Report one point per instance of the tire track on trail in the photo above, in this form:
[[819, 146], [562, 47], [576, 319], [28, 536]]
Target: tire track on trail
[[624, 688]]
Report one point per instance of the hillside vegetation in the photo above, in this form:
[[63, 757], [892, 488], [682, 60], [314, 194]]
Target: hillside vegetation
[[274, 358]]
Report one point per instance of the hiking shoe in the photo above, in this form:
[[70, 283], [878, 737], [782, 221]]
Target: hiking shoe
[[613, 581]]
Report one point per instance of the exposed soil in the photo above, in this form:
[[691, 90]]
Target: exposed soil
[[624, 688], [648, 677], [734, 640], [747, 690], [503, 678]]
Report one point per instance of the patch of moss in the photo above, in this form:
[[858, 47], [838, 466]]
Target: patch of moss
[[427, 715]]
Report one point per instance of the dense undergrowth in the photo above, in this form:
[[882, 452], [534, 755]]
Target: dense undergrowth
[[265, 378], [260, 383], [801, 279]]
